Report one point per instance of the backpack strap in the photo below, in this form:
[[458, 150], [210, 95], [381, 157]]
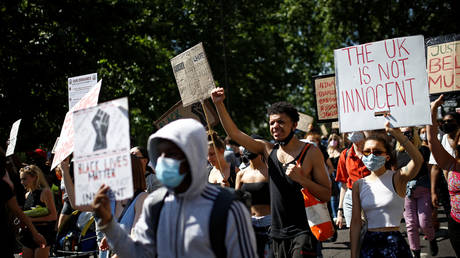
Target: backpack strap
[[218, 220], [302, 154], [156, 205]]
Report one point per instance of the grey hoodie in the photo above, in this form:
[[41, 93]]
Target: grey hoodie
[[183, 228]]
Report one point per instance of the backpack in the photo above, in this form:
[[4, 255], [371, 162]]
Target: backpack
[[218, 219]]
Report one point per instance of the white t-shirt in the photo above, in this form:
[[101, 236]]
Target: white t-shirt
[[447, 147]]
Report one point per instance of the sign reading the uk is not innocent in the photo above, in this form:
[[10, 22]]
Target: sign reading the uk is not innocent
[[384, 77]]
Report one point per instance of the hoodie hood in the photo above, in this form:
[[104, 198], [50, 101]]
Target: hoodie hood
[[190, 136]]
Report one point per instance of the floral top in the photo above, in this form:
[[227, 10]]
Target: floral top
[[454, 191]]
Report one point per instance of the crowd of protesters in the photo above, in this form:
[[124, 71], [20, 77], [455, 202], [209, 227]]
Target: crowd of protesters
[[186, 181]]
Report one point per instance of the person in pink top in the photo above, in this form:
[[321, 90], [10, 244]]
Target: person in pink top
[[451, 164]]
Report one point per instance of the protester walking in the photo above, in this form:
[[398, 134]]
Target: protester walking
[[380, 196], [452, 165], [177, 220], [290, 232]]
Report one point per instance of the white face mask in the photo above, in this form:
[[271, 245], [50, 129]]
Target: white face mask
[[423, 136]]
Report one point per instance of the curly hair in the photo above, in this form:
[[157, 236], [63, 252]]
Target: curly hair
[[286, 108]]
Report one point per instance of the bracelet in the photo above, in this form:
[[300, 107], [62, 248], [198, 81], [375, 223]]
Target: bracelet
[[340, 209]]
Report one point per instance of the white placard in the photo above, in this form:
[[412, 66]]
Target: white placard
[[193, 75], [78, 86], [65, 144], [101, 151], [13, 138], [379, 77]]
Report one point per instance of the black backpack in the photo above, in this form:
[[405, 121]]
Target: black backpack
[[218, 219]]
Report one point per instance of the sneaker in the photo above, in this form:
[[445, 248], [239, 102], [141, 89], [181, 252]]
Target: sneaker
[[434, 247]]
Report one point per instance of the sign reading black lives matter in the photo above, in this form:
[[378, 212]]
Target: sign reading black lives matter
[[378, 78], [101, 151], [193, 75]]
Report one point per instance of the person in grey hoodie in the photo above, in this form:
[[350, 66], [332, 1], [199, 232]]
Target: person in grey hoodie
[[178, 152]]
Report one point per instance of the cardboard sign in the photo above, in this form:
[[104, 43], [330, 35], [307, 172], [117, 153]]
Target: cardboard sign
[[78, 87], [443, 63], [13, 138], [378, 78], [101, 152], [335, 125], [304, 121], [326, 99], [193, 75], [194, 111], [65, 144]]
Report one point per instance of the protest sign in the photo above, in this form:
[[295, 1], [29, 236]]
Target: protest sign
[[65, 144], [194, 111], [54, 146], [326, 98], [193, 75], [378, 78], [78, 87], [101, 151], [443, 64], [13, 138], [304, 121], [335, 125]]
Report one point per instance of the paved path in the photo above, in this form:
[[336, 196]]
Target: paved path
[[340, 248]]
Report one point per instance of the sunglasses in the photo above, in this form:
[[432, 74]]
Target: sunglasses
[[446, 121], [375, 152]]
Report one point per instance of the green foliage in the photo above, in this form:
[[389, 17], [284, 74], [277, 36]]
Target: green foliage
[[260, 51]]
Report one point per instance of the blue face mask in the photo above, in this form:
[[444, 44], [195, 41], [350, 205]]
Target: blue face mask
[[167, 171], [373, 162]]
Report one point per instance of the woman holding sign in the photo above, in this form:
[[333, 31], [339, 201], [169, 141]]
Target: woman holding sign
[[380, 196], [451, 164]]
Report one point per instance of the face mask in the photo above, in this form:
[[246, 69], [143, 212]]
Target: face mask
[[423, 136], [373, 162], [333, 143], [286, 140], [355, 137], [448, 127], [167, 171]]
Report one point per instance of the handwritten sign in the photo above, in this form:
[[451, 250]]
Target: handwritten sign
[[304, 121], [101, 152], [443, 63], [78, 87], [380, 77], [326, 98], [193, 75], [64, 146], [194, 111], [13, 138]]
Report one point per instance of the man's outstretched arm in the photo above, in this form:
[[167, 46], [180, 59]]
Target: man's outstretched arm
[[259, 147]]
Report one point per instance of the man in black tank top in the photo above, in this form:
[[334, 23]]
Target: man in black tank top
[[290, 231]]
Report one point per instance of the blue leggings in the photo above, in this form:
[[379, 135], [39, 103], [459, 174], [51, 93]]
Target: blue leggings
[[385, 244]]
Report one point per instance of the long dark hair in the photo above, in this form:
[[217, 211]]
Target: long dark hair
[[390, 164]]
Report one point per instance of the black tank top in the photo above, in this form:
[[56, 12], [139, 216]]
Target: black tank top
[[287, 205], [33, 199], [260, 192]]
